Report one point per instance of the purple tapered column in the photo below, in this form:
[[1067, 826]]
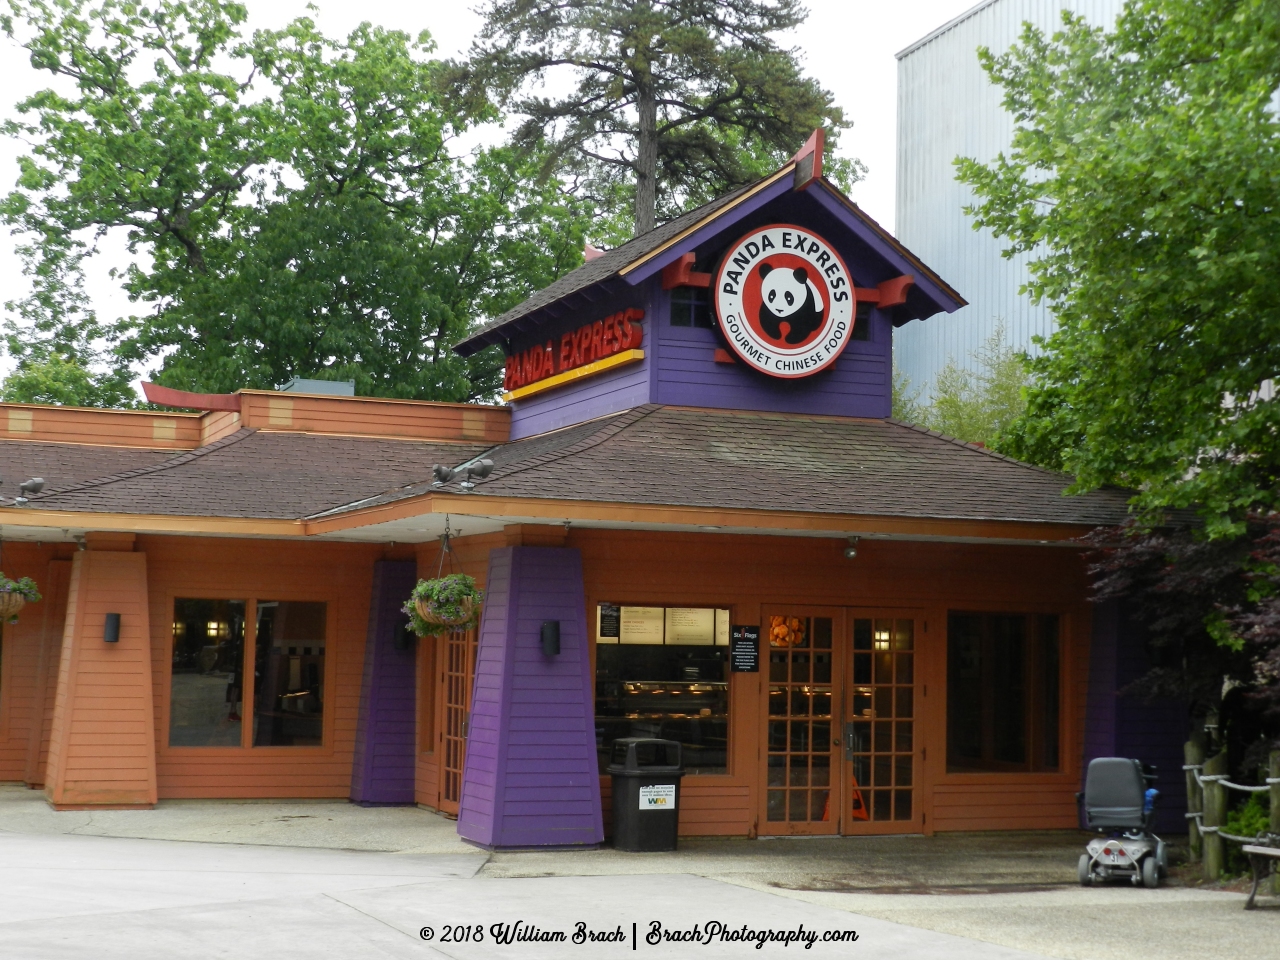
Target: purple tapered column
[[383, 767], [530, 777]]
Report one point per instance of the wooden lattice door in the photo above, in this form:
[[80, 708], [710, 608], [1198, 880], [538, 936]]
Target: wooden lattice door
[[801, 794], [880, 735], [457, 675]]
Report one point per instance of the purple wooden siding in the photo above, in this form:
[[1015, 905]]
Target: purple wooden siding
[[596, 396], [1123, 725], [530, 777], [686, 374], [383, 767]]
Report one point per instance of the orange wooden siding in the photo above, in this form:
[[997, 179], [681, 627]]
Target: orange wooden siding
[[102, 740], [29, 652], [260, 410], [340, 575], [123, 428], [374, 417], [926, 580]]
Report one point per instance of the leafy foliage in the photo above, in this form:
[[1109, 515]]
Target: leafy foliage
[[291, 201], [666, 103], [25, 587], [1144, 179], [905, 402], [974, 406], [453, 599]]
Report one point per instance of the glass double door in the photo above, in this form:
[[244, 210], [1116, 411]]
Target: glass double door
[[840, 742]]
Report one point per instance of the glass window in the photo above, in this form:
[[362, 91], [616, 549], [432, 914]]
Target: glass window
[[862, 322], [1003, 696], [206, 687], [288, 674], [691, 307], [663, 672]]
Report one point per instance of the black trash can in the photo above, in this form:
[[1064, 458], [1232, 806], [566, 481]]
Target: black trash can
[[646, 793]]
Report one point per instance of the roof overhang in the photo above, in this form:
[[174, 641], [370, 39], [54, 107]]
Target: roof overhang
[[422, 518]]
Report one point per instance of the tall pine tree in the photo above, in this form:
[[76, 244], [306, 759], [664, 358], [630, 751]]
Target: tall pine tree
[[656, 103]]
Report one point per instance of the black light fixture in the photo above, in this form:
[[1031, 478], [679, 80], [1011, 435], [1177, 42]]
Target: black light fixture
[[405, 637], [111, 628], [551, 638], [851, 550]]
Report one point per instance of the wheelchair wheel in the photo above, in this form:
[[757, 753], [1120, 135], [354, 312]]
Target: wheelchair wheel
[[1085, 870], [1150, 872]]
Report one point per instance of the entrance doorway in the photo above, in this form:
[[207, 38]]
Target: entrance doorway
[[840, 735]]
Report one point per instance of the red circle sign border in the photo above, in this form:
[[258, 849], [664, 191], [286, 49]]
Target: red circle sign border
[[831, 338]]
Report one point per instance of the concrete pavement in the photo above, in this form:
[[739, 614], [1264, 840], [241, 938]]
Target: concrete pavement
[[328, 879]]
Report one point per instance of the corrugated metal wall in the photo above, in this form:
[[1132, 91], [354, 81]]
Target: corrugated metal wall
[[948, 108]]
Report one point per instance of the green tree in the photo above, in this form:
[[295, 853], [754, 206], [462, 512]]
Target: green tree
[[905, 401], [664, 103], [1144, 180], [975, 405], [292, 203]]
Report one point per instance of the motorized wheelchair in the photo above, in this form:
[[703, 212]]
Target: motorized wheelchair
[[1119, 801]]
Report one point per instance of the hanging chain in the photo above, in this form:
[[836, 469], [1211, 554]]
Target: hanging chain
[[445, 549]]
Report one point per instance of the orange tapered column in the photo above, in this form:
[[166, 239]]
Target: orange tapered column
[[102, 744]]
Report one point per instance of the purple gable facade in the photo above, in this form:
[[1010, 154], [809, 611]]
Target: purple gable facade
[[679, 366]]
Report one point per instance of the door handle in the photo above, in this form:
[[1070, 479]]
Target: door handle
[[848, 741]]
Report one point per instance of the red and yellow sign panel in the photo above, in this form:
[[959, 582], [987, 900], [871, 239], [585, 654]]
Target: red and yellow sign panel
[[591, 349]]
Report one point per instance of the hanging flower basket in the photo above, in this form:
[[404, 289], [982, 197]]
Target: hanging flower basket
[[14, 595], [444, 605]]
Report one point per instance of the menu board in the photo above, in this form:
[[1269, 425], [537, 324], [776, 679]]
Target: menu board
[[680, 626], [722, 628], [690, 626], [642, 625], [608, 623]]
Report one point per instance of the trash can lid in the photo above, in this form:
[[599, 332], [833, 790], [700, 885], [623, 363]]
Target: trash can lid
[[636, 754]]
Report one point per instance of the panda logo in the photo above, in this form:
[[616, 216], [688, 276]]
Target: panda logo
[[790, 297]]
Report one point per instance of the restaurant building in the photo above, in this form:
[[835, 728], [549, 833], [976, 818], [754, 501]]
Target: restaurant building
[[853, 625]]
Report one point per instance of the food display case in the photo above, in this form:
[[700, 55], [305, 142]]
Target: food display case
[[671, 692]]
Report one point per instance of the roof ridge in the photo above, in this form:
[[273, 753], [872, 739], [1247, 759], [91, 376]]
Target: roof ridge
[[976, 447], [612, 428], [182, 458]]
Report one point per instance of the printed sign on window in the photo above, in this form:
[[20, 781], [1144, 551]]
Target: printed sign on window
[[660, 796]]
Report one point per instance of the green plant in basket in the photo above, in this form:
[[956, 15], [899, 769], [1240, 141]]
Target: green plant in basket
[[444, 604], [14, 595]]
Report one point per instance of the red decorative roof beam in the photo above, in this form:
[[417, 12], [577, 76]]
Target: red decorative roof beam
[[168, 397], [808, 160]]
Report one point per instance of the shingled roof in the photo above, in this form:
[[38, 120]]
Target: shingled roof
[[649, 455], [247, 474], [677, 456]]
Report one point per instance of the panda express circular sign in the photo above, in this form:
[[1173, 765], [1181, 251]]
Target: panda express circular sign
[[785, 301]]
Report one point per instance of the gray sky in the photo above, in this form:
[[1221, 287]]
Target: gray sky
[[848, 45]]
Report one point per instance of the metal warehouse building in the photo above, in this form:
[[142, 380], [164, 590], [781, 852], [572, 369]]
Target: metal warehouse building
[[948, 108]]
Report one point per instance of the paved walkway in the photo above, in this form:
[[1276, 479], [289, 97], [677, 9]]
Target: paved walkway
[[321, 880]]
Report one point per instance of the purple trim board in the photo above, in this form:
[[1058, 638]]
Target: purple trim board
[[530, 776], [382, 770]]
